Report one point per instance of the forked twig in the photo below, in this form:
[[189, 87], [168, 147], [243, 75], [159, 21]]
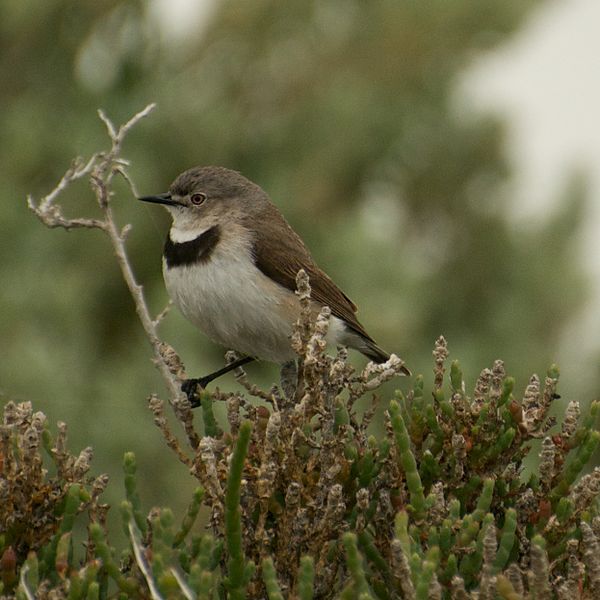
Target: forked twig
[[100, 169]]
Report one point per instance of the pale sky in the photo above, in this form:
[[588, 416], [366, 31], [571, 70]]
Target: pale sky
[[546, 83]]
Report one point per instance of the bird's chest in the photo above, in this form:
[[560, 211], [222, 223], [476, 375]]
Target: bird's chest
[[211, 293], [230, 300]]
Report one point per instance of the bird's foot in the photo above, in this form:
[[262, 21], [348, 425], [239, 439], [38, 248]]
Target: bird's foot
[[190, 388]]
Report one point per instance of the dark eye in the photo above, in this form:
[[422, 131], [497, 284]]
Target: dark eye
[[198, 198]]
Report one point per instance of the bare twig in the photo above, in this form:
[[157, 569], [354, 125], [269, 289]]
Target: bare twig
[[141, 308], [100, 168], [78, 170], [23, 585], [141, 561], [186, 590], [118, 136], [156, 406], [162, 314]]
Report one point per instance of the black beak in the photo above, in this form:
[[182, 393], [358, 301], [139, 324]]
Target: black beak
[[160, 199]]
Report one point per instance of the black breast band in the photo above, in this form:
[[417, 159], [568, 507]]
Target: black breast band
[[197, 250]]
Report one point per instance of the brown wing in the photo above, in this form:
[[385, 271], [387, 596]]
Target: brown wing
[[280, 253]]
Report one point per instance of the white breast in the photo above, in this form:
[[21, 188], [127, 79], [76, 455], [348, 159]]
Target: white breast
[[234, 304]]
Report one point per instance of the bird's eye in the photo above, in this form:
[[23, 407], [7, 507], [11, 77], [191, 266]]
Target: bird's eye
[[198, 198]]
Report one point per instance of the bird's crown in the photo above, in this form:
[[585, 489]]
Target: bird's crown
[[215, 182]]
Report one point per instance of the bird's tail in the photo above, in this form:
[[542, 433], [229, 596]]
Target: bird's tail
[[371, 350]]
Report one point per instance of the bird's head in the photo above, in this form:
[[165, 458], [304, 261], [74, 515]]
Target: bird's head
[[205, 196]]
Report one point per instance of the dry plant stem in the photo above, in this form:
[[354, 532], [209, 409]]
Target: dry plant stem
[[142, 563], [162, 314], [50, 214], [23, 586], [100, 168], [156, 406], [118, 242]]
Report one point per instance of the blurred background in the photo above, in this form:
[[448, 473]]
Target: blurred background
[[441, 160]]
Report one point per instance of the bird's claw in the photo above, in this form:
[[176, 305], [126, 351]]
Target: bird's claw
[[190, 388]]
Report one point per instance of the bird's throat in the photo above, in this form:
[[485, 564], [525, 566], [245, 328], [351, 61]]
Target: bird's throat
[[194, 251]]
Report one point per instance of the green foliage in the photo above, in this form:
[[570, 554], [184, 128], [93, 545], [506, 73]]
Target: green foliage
[[44, 487], [211, 428], [413, 479], [479, 527], [131, 493], [270, 579], [237, 569]]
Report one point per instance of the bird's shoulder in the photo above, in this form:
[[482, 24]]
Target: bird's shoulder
[[279, 253]]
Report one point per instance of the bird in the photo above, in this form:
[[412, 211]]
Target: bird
[[230, 262]]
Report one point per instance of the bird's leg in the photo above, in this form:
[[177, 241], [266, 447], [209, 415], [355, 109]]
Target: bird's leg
[[189, 386], [289, 378]]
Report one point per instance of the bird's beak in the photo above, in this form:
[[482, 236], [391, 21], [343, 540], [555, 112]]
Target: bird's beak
[[160, 199]]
